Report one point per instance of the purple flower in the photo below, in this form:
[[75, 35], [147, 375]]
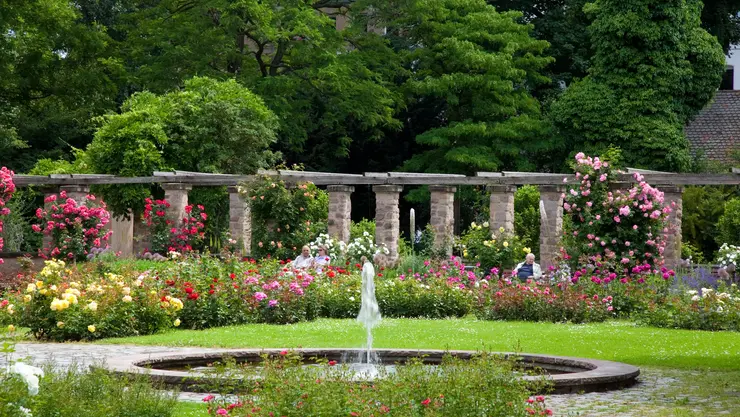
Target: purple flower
[[272, 303], [259, 296]]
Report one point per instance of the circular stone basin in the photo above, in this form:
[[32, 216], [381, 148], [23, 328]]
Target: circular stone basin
[[191, 371]]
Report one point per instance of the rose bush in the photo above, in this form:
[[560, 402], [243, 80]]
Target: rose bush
[[618, 232], [75, 229], [185, 235], [284, 219], [7, 188], [703, 309]]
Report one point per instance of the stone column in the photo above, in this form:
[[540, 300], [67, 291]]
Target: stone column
[[443, 216], [77, 193], [141, 239], [551, 223], [240, 220], [387, 221], [673, 199], [177, 195], [502, 207], [122, 239], [340, 210]]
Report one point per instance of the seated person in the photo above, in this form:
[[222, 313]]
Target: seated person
[[528, 269], [304, 260], [321, 260]]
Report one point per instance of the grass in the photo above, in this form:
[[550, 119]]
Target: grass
[[613, 340]]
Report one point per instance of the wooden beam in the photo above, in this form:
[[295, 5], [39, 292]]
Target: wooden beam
[[646, 171]]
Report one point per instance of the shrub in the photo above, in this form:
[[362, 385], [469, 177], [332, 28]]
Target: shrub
[[728, 225], [7, 188], [692, 253], [74, 229], [704, 309], [185, 235], [615, 230], [530, 301], [364, 246], [358, 229], [283, 219], [66, 304], [702, 208], [491, 250], [83, 394], [335, 248], [484, 385], [728, 255]]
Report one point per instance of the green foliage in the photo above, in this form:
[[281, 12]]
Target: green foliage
[[500, 249], [210, 126], [58, 72], [327, 96], [358, 229], [689, 251], [704, 309], [284, 219], [95, 393], [470, 69], [499, 300], [728, 225], [527, 216], [290, 388], [643, 49]]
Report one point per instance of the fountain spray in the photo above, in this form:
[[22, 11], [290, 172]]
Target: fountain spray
[[369, 310]]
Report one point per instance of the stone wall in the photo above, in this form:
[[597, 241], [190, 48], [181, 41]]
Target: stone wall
[[502, 207], [387, 221], [443, 216], [340, 211], [674, 200], [551, 223]]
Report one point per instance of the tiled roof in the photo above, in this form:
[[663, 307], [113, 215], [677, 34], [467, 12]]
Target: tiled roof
[[716, 129]]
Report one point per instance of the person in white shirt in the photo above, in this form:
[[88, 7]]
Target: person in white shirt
[[321, 260], [304, 260]]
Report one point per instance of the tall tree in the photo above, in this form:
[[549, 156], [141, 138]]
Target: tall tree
[[469, 71], [653, 68], [56, 73], [321, 82]]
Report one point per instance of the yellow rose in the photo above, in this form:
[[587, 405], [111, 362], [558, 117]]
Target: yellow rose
[[27, 298], [11, 328], [527, 250], [60, 324], [31, 288], [93, 306], [39, 284], [506, 244], [53, 288], [43, 291], [153, 292], [91, 328], [126, 290], [177, 322], [127, 299]]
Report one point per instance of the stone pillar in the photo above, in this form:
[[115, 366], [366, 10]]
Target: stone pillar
[[77, 193], [551, 223], [122, 239], [177, 195], [240, 220], [340, 210], [502, 207], [141, 239], [387, 221], [443, 216], [673, 199]]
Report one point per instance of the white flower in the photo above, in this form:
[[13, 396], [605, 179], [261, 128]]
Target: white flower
[[691, 292], [351, 298], [29, 374], [695, 298]]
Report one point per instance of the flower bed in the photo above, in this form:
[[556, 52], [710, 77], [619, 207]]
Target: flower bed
[[484, 385], [563, 302], [703, 309]]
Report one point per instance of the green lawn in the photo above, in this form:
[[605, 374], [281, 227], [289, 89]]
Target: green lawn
[[614, 340]]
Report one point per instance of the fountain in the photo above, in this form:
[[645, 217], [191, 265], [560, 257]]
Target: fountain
[[190, 371], [369, 314]]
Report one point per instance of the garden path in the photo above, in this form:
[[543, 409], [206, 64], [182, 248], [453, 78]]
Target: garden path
[[657, 389]]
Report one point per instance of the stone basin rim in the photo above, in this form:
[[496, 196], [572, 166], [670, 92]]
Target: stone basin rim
[[596, 374]]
